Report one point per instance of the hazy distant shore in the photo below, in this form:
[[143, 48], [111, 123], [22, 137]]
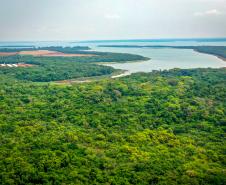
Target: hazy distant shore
[[218, 56]]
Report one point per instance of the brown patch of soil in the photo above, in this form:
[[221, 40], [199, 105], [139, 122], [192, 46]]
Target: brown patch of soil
[[72, 81], [47, 53], [8, 53], [44, 53], [24, 65]]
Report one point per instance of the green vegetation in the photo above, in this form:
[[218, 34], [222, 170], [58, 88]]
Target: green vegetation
[[156, 128], [219, 51], [48, 69]]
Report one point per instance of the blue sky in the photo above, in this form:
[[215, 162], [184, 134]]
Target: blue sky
[[26, 20]]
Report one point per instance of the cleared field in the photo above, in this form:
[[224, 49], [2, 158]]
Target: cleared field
[[44, 53], [8, 53]]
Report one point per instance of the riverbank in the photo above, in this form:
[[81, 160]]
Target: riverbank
[[220, 57], [117, 74]]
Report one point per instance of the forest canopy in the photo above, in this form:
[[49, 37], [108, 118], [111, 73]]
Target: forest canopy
[[149, 128]]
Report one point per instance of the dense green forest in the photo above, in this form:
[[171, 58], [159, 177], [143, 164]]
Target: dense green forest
[[219, 51], [149, 128], [48, 69]]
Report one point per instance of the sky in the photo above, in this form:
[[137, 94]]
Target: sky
[[49, 20]]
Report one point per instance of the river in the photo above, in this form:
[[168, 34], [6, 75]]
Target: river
[[160, 58]]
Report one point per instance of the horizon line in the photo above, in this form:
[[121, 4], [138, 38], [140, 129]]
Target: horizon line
[[136, 39]]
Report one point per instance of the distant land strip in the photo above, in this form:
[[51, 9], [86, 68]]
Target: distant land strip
[[17, 46], [157, 40]]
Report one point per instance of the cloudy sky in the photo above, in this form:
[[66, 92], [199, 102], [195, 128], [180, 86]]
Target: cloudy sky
[[38, 20]]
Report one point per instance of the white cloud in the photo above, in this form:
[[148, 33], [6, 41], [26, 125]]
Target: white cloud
[[112, 16], [213, 12]]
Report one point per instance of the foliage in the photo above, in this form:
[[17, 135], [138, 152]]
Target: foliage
[[47, 69], [157, 128]]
